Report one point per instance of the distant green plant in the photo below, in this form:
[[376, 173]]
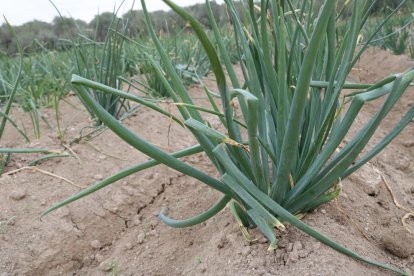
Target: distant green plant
[[395, 34], [7, 85], [105, 63], [187, 54], [44, 81], [190, 59], [151, 81], [9, 97], [411, 45], [282, 153], [399, 44]]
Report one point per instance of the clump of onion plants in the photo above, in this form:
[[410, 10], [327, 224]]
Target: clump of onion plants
[[283, 154], [105, 63], [10, 91]]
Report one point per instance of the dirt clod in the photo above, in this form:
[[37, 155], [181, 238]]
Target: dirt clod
[[297, 245], [246, 251], [222, 242], [18, 194], [128, 246], [262, 240], [96, 244], [141, 238], [293, 257], [370, 180], [316, 246], [98, 176], [399, 242], [408, 143], [105, 265]]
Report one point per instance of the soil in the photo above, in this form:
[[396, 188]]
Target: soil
[[116, 231]]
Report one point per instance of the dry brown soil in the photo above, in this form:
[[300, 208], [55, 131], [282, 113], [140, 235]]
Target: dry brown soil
[[116, 231]]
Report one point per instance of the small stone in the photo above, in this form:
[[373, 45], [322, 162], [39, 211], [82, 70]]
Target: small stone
[[222, 241], [136, 222], [246, 251], [257, 263], [154, 223], [100, 212], [323, 211], [149, 176], [62, 212], [77, 232], [289, 247], [202, 268], [96, 244], [316, 246], [86, 260], [293, 256], [263, 240], [402, 163], [297, 246], [128, 246], [369, 179], [101, 157], [18, 194], [98, 176], [408, 144], [98, 258], [153, 233], [11, 221], [141, 238], [105, 265]]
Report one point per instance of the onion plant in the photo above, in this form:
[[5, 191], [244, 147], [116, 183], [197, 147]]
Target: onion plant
[[105, 63], [43, 82], [411, 47], [5, 153], [283, 153], [191, 62], [9, 97], [186, 53], [395, 35], [147, 78]]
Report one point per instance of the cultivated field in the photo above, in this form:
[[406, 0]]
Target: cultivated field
[[282, 149]]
